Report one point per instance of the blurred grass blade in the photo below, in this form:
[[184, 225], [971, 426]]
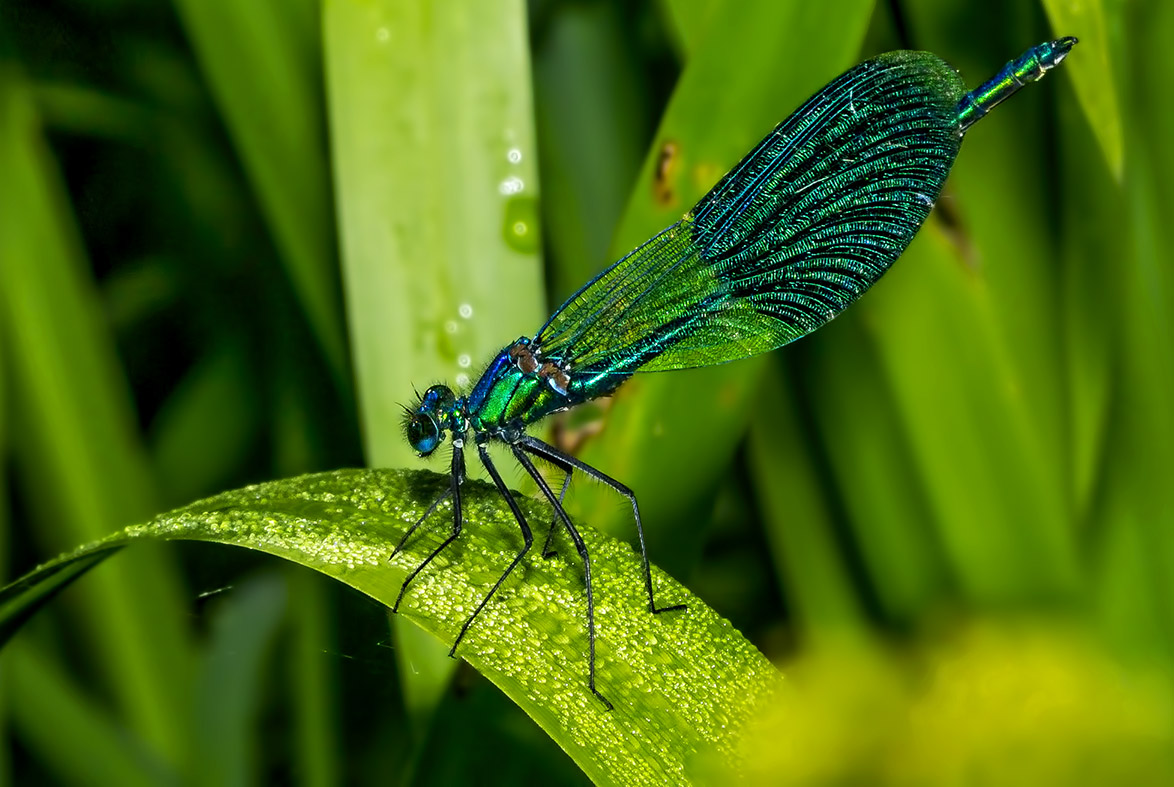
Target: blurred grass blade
[[231, 684], [1137, 575], [817, 586], [1137, 495], [692, 673], [592, 97], [425, 671], [721, 107], [433, 143], [75, 441], [5, 768], [958, 399], [688, 20], [1092, 73], [968, 328], [261, 60], [1127, 582], [85, 111], [190, 458], [314, 685], [77, 741], [1093, 206], [436, 175], [873, 474]]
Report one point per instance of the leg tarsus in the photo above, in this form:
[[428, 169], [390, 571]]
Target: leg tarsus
[[606, 702]]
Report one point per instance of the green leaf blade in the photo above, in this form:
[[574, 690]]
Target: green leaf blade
[[436, 174], [682, 683]]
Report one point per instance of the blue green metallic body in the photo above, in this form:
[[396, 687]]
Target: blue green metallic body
[[1028, 67], [794, 234], [506, 396]]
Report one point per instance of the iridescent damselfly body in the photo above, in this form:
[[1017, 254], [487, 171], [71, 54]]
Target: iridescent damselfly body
[[789, 238]]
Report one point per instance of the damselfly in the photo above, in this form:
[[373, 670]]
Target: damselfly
[[795, 233]]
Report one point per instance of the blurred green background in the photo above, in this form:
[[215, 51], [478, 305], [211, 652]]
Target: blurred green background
[[234, 235]]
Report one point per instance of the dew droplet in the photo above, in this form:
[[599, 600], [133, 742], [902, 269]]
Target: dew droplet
[[511, 185], [520, 224]]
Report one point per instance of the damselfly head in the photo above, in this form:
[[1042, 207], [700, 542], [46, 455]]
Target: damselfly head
[[426, 424]]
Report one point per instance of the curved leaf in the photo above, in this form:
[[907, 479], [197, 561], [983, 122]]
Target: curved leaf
[[682, 683]]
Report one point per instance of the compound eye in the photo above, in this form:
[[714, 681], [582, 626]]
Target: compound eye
[[423, 433], [438, 398]]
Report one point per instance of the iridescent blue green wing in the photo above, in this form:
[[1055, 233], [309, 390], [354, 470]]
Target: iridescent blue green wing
[[796, 232]]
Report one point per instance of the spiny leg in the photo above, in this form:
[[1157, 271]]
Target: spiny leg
[[458, 478], [443, 496], [568, 462], [527, 537], [547, 552], [582, 549]]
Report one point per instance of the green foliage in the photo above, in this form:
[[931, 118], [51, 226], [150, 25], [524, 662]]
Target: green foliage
[[234, 235], [1025, 702], [682, 683]]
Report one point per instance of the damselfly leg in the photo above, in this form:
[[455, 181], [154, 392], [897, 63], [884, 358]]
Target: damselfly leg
[[527, 539], [547, 552], [458, 478], [581, 547], [568, 463]]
